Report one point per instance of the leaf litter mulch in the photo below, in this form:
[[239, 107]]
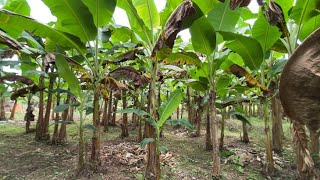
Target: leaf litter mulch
[[23, 158]]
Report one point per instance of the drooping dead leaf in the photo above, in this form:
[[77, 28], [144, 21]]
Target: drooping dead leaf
[[275, 17], [14, 78], [174, 26], [130, 73], [300, 83], [234, 102], [9, 41], [113, 84], [251, 81], [106, 84], [25, 91], [235, 3], [301, 139], [129, 55]]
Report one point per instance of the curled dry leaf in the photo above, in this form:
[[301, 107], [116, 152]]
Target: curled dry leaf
[[130, 73], [174, 25], [113, 84], [251, 81], [9, 41], [15, 78], [24, 91], [129, 55], [235, 3], [299, 83], [275, 17]]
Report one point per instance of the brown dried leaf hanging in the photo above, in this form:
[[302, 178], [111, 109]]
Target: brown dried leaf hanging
[[130, 73], [275, 17], [174, 25], [235, 3], [9, 41], [14, 78], [113, 84], [25, 91], [129, 55], [251, 81]]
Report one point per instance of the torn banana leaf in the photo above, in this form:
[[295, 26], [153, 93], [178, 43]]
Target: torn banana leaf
[[251, 81]]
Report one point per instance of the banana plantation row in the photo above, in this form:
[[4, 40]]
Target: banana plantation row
[[235, 64]]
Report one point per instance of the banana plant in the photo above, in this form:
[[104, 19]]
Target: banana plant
[[165, 111], [158, 48]]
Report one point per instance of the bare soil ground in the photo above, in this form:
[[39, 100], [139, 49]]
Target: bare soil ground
[[23, 158]]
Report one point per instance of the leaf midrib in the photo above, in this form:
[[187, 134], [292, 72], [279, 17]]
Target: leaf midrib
[[9, 16], [243, 46], [79, 22], [167, 105], [222, 18]]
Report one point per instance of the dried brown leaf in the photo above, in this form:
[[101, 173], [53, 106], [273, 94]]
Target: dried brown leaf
[[14, 78], [174, 26], [129, 73], [25, 91], [235, 3], [9, 41], [274, 15], [251, 81]]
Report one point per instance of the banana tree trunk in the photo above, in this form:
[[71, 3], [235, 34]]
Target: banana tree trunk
[[71, 114], [95, 148], [178, 112], [214, 134], [41, 130], [198, 115], [208, 132], [48, 109], [134, 116], [245, 137], [124, 125], [63, 128], [152, 171], [189, 105], [2, 108], [223, 116], [105, 114], [182, 111], [110, 109], [55, 135], [142, 107], [53, 107], [114, 115], [250, 109], [277, 130], [13, 110], [268, 142]]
